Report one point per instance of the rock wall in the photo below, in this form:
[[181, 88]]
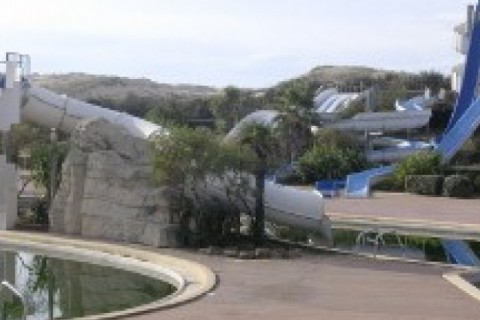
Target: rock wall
[[107, 189]]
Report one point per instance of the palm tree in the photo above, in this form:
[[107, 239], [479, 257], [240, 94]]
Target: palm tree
[[294, 128], [295, 119], [261, 139]]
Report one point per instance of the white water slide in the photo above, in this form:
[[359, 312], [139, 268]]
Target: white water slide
[[283, 204], [384, 121], [331, 101]]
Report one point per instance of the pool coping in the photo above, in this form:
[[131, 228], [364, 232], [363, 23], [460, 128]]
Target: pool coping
[[459, 280], [192, 279]]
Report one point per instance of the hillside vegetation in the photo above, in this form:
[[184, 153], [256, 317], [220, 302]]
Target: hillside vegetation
[[220, 108]]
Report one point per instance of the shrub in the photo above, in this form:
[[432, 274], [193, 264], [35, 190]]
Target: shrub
[[187, 162], [329, 162], [422, 163], [430, 185], [458, 186], [387, 184], [335, 139], [476, 183]]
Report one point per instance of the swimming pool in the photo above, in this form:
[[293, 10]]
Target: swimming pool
[[54, 288], [70, 278]]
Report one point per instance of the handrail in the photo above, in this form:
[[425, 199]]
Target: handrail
[[15, 291]]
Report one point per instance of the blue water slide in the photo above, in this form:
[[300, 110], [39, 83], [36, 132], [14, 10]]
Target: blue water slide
[[459, 252], [358, 184], [470, 78], [463, 129]]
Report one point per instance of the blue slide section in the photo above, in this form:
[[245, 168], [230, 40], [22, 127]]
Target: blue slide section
[[464, 120], [470, 78], [358, 184], [460, 132], [459, 252]]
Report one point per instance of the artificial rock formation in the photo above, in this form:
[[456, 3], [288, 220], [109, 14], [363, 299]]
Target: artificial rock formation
[[107, 189]]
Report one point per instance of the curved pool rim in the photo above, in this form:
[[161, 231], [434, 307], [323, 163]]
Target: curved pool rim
[[191, 279]]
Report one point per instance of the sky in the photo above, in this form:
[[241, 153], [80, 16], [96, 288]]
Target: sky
[[246, 43]]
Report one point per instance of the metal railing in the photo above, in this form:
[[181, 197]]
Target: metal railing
[[375, 237]]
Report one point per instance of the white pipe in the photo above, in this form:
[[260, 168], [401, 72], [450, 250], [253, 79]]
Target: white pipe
[[49, 109]]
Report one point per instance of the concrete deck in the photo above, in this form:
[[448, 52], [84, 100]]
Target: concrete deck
[[411, 214], [345, 287], [315, 286], [324, 287]]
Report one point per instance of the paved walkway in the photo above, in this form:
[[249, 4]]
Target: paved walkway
[[324, 287], [462, 215]]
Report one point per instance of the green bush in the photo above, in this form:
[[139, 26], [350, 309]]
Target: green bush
[[387, 184], [476, 183], [458, 186], [335, 139], [422, 163], [186, 161], [430, 185], [329, 162]]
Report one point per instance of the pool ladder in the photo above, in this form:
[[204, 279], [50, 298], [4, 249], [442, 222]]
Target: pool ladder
[[10, 287]]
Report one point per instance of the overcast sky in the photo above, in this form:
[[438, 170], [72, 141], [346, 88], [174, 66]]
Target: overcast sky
[[249, 43]]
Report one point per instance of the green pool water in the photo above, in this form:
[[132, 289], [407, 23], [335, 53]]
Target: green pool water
[[63, 289]]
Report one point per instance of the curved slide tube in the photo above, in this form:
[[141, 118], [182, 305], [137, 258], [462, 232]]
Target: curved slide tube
[[264, 117], [331, 101], [283, 205], [460, 132], [392, 154], [358, 184], [322, 97], [415, 103], [395, 149], [287, 205], [399, 143], [384, 121], [51, 110]]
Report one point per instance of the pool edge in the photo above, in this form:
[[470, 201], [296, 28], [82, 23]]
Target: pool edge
[[197, 279]]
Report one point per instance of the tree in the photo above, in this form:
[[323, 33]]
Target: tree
[[262, 141], [421, 163], [297, 93], [333, 156], [41, 159], [231, 106], [293, 127], [23, 137], [208, 183], [329, 162]]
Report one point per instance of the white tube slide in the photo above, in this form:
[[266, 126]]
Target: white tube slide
[[286, 205], [384, 121], [264, 117], [49, 109], [322, 97]]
